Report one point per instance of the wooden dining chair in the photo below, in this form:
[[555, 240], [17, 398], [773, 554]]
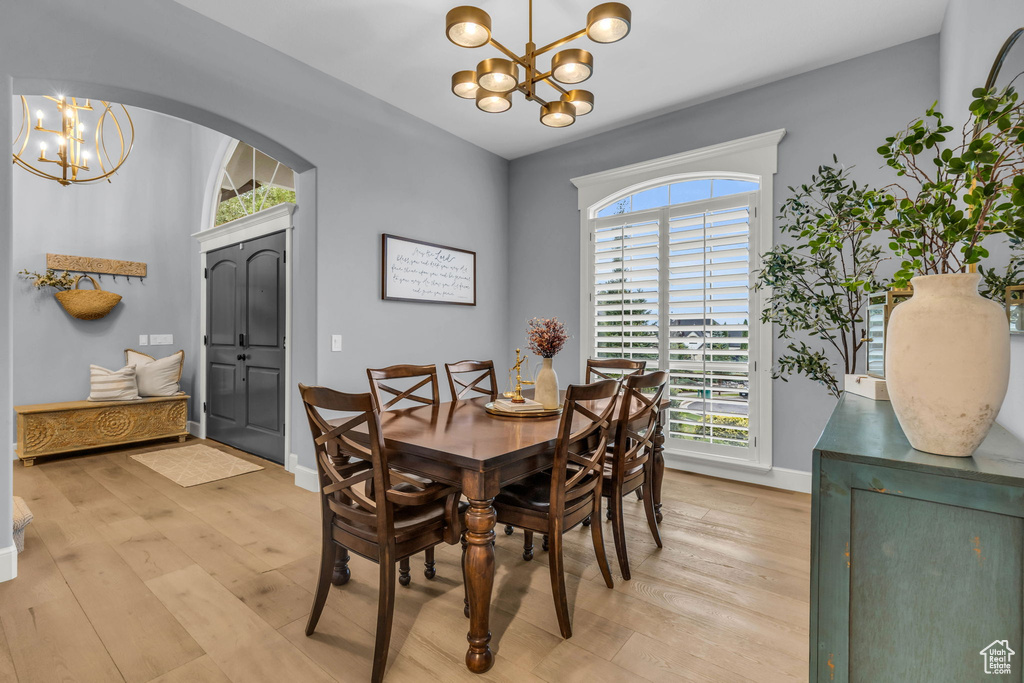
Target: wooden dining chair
[[613, 368], [468, 375], [629, 465], [382, 392], [395, 518], [552, 502]]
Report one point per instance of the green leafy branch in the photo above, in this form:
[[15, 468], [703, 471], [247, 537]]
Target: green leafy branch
[[959, 194], [820, 285]]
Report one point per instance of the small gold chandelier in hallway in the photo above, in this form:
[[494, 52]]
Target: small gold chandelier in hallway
[[495, 79], [70, 145]]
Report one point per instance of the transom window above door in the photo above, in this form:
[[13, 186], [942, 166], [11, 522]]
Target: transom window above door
[[251, 182]]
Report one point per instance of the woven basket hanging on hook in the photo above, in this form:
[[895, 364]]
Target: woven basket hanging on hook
[[87, 304]]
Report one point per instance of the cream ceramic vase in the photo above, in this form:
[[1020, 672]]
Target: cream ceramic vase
[[947, 363], [546, 389]]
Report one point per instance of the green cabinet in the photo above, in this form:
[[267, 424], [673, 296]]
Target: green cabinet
[[917, 560]]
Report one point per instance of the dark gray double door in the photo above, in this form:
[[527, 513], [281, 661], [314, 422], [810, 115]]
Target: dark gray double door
[[245, 359]]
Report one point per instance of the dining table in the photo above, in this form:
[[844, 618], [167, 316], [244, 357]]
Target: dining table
[[461, 444]]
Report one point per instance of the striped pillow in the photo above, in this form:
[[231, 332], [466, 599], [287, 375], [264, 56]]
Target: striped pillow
[[113, 385]]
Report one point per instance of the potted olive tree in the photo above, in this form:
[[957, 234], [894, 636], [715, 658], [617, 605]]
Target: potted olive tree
[[947, 348], [819, 285]]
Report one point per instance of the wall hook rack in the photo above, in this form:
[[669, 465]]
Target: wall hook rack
[[98, 266]]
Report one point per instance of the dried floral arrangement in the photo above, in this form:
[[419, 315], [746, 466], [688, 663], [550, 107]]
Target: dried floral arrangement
[[50, 278], [546, 336]]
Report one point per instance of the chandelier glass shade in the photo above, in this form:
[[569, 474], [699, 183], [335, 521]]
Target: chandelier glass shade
[[497, 78], [493, 102], [77, 143], [464, 85]]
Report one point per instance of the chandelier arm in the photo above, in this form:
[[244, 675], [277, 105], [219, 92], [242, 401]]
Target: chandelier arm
[[555, 85], [531, 96], [511, 55], [562, 41], [26, 126]]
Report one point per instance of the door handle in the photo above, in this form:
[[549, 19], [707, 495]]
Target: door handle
[[241, 339], [243, 356]]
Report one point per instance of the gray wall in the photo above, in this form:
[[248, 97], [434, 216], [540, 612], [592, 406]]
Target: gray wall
[[146, 214], [376, 169], [6, 322], [970, 41], [848, 109]]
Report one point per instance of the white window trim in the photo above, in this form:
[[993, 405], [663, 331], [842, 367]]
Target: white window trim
[[751, 157], [277, 218]]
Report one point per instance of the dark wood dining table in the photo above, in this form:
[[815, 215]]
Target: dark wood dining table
[[460, 443]]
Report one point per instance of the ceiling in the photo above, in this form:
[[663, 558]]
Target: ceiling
[[678, 53]]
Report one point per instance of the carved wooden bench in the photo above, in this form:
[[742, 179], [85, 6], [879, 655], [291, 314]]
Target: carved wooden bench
[[52, 428]]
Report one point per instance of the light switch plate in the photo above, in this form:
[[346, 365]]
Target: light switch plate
[[335, 342], [143, 340], [161, 339]]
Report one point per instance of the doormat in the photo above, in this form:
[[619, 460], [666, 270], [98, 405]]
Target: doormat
[[193, 465]]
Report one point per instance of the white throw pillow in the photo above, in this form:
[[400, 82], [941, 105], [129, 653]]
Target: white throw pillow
[[112, 385], [156, 377]]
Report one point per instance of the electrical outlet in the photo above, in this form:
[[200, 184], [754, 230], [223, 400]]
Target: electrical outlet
[[143, 340], [161, 339], [335, 342]]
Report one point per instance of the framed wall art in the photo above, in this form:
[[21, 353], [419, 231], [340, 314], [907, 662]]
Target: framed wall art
[[412, 270]]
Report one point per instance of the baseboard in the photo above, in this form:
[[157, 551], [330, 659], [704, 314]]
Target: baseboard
[[776, 477], [306, 477], [193, 428], [8, 563], [291, 461]]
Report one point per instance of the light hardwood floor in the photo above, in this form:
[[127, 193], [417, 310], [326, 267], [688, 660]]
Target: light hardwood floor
[[127, 576]]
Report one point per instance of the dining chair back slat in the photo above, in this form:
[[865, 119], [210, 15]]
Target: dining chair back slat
[[613, 368], [466, 376], [380, 390]]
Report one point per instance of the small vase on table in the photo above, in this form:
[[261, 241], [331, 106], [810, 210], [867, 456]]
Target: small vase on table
[[546, 337], [546, 388]]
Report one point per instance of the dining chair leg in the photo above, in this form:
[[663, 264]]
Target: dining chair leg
[[652, 516], [558, 584], [341, 571], [323, 585], [404, 577], [619, 531], [428, 563], [598, 538], [385, 614], [465, 588], [586, 522], [527, 545], [545, 543], [640, 493], [509, 529]]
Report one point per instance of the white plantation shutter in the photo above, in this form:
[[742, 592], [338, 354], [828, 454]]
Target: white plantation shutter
[[672, 286], [625, 289], [708, 321]]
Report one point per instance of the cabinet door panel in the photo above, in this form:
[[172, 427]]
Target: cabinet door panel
[[931, 585]]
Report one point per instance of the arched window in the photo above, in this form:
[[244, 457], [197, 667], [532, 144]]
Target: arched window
[[671, 284], [252, 181]]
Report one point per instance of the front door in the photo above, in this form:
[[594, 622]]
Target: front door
[[245, 346]]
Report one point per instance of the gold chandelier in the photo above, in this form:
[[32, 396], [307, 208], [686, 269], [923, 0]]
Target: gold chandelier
[[495, 79], [73, 147]]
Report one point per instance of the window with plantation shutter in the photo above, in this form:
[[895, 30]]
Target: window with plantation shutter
[[670, 282]]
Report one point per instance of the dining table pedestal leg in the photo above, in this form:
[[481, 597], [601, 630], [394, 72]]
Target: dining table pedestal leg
[[479, 568], [659, 463]]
